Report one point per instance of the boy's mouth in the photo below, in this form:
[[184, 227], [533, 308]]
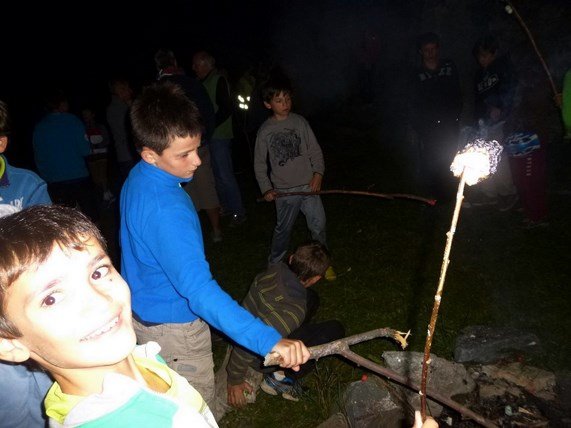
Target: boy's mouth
[[101, 330]]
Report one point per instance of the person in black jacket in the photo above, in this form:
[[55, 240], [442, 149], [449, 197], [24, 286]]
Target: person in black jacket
[[495, 85], [435, 107]]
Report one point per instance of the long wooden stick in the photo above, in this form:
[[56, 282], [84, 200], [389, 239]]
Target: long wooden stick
[[438, 296], [534, 44], [358, 192], [341, 347]]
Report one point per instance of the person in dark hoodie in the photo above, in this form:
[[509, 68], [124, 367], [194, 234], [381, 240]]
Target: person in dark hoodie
[[495, 85], [435, 107]]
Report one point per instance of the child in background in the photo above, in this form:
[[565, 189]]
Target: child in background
[[66, 308], [495, 86], [98, 159], [296, 165]]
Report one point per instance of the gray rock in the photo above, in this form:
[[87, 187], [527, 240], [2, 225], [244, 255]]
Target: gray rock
[[445, 377], [369, 404], [483, 344], [337, 420]]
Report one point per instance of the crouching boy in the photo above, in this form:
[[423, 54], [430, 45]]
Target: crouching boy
[[64, 306], [281, 297]]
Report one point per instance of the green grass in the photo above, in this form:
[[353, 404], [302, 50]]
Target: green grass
[[388, 256]]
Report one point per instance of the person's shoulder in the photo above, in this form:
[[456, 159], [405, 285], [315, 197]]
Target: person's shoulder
[[72, 119], [296, 116], [266, 124], [22, 173], [269, 274]]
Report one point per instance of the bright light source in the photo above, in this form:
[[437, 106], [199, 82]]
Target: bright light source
[[248, 99], [241, 99], [478, 160]]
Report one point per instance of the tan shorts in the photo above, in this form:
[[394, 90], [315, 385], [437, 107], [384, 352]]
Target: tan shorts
[[202, 188], [187, 349]]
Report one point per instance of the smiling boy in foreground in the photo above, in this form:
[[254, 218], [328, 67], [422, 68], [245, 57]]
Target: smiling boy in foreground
[[64, 306]]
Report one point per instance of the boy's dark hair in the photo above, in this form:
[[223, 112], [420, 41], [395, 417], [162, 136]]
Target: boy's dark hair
[[275, 86], [310, 259], [427, 38], [27, 239], [162, 113], [487, 43], [164, 58], [4, 119]]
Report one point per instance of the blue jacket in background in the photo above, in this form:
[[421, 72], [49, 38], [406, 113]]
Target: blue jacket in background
[[60, 148]]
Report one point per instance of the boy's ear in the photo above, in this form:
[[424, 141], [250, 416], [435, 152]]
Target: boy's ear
[[149, 156], [13, 350], [3, 143], [268, 105]]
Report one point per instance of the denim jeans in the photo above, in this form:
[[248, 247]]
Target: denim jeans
[[226, 184], [287, 210]]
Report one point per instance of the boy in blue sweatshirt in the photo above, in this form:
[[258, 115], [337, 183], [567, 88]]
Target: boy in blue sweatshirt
[[162, 250]]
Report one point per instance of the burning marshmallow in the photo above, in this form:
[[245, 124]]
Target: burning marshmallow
[[478, 160]]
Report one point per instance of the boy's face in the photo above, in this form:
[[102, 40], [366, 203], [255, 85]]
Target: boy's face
[[124, 91], [200, 67], [74, 310], [180, 158], [485, 58], [280, 105], [3, 143], [430, 53]]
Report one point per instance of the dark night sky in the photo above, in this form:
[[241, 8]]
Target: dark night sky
[[62, 41], [79, 45]]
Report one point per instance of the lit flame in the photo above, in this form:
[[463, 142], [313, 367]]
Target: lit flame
[[478, 160], [241, 99]]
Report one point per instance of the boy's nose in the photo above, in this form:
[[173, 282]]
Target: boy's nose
[[97, 299]]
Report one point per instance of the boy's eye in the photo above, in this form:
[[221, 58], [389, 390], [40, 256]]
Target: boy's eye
[[51, 300], [100, 272]]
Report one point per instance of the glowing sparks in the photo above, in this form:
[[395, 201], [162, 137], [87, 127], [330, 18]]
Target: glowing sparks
[[478, 160]]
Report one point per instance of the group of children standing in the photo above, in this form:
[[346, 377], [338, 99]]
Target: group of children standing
[[500, 114]]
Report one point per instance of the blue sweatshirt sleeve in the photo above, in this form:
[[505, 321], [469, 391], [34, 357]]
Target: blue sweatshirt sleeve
[[177, 247]]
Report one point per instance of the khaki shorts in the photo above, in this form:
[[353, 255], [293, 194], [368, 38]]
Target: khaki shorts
[[202, 188]]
